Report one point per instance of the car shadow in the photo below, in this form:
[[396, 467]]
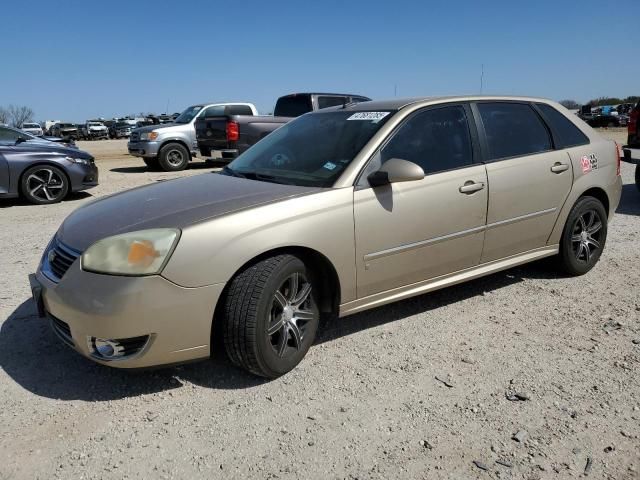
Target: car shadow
[[145, 169], [630, 200], [33, 357], [21, 202]]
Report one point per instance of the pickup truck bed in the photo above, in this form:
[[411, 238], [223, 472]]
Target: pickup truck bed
[[233, 134]]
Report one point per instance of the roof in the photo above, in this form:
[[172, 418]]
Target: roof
[[398, 103]]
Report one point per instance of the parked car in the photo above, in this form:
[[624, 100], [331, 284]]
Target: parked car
[[231, 133], [337, 212], [123, 129], [604, 121], [10, 134], [95, 130], [171, 147], [41, 171], [632, 148], [33, 129], [65, 130]]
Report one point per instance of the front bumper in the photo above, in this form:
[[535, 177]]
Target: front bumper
[[82, 177], [175, 320], [143, 149]]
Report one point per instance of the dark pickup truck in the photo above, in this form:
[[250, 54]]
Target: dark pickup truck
[[230, 134]]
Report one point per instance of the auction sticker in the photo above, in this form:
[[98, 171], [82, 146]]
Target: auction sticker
[[369, 116]]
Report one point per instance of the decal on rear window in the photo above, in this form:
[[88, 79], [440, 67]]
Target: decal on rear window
[[370, 116]]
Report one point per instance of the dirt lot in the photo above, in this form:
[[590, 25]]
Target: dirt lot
[[365, 403]]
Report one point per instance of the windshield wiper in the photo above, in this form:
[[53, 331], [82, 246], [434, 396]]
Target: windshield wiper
[[231, 172]]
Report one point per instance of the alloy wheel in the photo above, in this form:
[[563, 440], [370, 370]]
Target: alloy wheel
[[174, 158], [45, 184], [586, 236], [291, 311]]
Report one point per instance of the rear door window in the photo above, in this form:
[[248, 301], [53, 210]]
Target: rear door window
[[565, 133], [513, 129], [293, 106], [238, 110], [327, 101], [436, 139]]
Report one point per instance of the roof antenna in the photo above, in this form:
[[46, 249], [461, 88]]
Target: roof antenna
[[481, 77]]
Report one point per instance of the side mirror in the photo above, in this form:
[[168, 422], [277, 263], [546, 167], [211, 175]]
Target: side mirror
[[396, 170]]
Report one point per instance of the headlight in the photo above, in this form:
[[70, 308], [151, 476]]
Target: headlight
[[81, 161], [136, 253], [148, 136]]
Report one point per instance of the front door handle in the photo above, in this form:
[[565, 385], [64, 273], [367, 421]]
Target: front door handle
[[470, 187], [559, 167]]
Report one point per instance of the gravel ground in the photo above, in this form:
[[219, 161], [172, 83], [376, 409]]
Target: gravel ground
[[523, 374]]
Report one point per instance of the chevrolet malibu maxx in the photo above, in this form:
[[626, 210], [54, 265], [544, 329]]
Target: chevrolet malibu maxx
[[337, 212]]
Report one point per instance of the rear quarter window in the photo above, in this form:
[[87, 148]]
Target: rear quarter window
[[293, 106], [565, 133]]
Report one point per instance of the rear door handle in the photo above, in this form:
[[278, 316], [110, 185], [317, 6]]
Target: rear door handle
[[470, 187], [559, 167]]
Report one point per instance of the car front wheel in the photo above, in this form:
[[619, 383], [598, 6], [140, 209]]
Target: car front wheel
[[173, 157], [270, 316], [44, 184], [584, 236]]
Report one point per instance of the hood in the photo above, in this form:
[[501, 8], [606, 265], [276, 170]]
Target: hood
[[159, 127], [97, 127], [54, 147], [169, 204]]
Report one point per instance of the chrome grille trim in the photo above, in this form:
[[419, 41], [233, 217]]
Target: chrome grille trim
[[57, 259]]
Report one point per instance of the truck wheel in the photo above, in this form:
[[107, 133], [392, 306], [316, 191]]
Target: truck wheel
[[173, 157], [270, 316], [152, 163], [44, 184], [638, 176], [584, 236]]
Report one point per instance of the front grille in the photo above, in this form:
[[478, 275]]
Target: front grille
[[62, 330], [135, 136], [57, 260], [133, 345]]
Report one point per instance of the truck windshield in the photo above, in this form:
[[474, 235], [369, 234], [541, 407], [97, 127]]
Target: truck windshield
[[292, 106], [312, 150], [189, 114]]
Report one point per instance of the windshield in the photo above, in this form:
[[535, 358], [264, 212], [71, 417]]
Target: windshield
[[312, 150], [30, 125], [95, 124], [189, 114]]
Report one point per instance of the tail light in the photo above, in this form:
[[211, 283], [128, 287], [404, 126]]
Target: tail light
[[619, 154], [232, 132]]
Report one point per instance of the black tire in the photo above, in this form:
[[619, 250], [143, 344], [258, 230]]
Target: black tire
[[253, 305], [579, 252], [173, 157], [151, 163], [638, 177], [44, 184]]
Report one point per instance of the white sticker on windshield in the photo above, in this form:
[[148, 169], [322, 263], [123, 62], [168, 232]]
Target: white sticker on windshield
[[330, 166], [369, 116]]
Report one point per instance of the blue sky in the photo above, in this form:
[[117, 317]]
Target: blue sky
[[75, 60]]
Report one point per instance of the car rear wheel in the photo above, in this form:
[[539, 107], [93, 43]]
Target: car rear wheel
[[173, 157], [270, 316], [44, 184], [584, 236]]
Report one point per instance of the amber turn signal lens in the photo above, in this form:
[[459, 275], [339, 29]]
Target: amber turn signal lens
[[142, 253]]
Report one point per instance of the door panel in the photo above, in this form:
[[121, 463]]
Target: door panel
[[4, 172], [413, 231], [525, 197]]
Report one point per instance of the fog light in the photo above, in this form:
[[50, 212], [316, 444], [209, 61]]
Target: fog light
[[106, 348]]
